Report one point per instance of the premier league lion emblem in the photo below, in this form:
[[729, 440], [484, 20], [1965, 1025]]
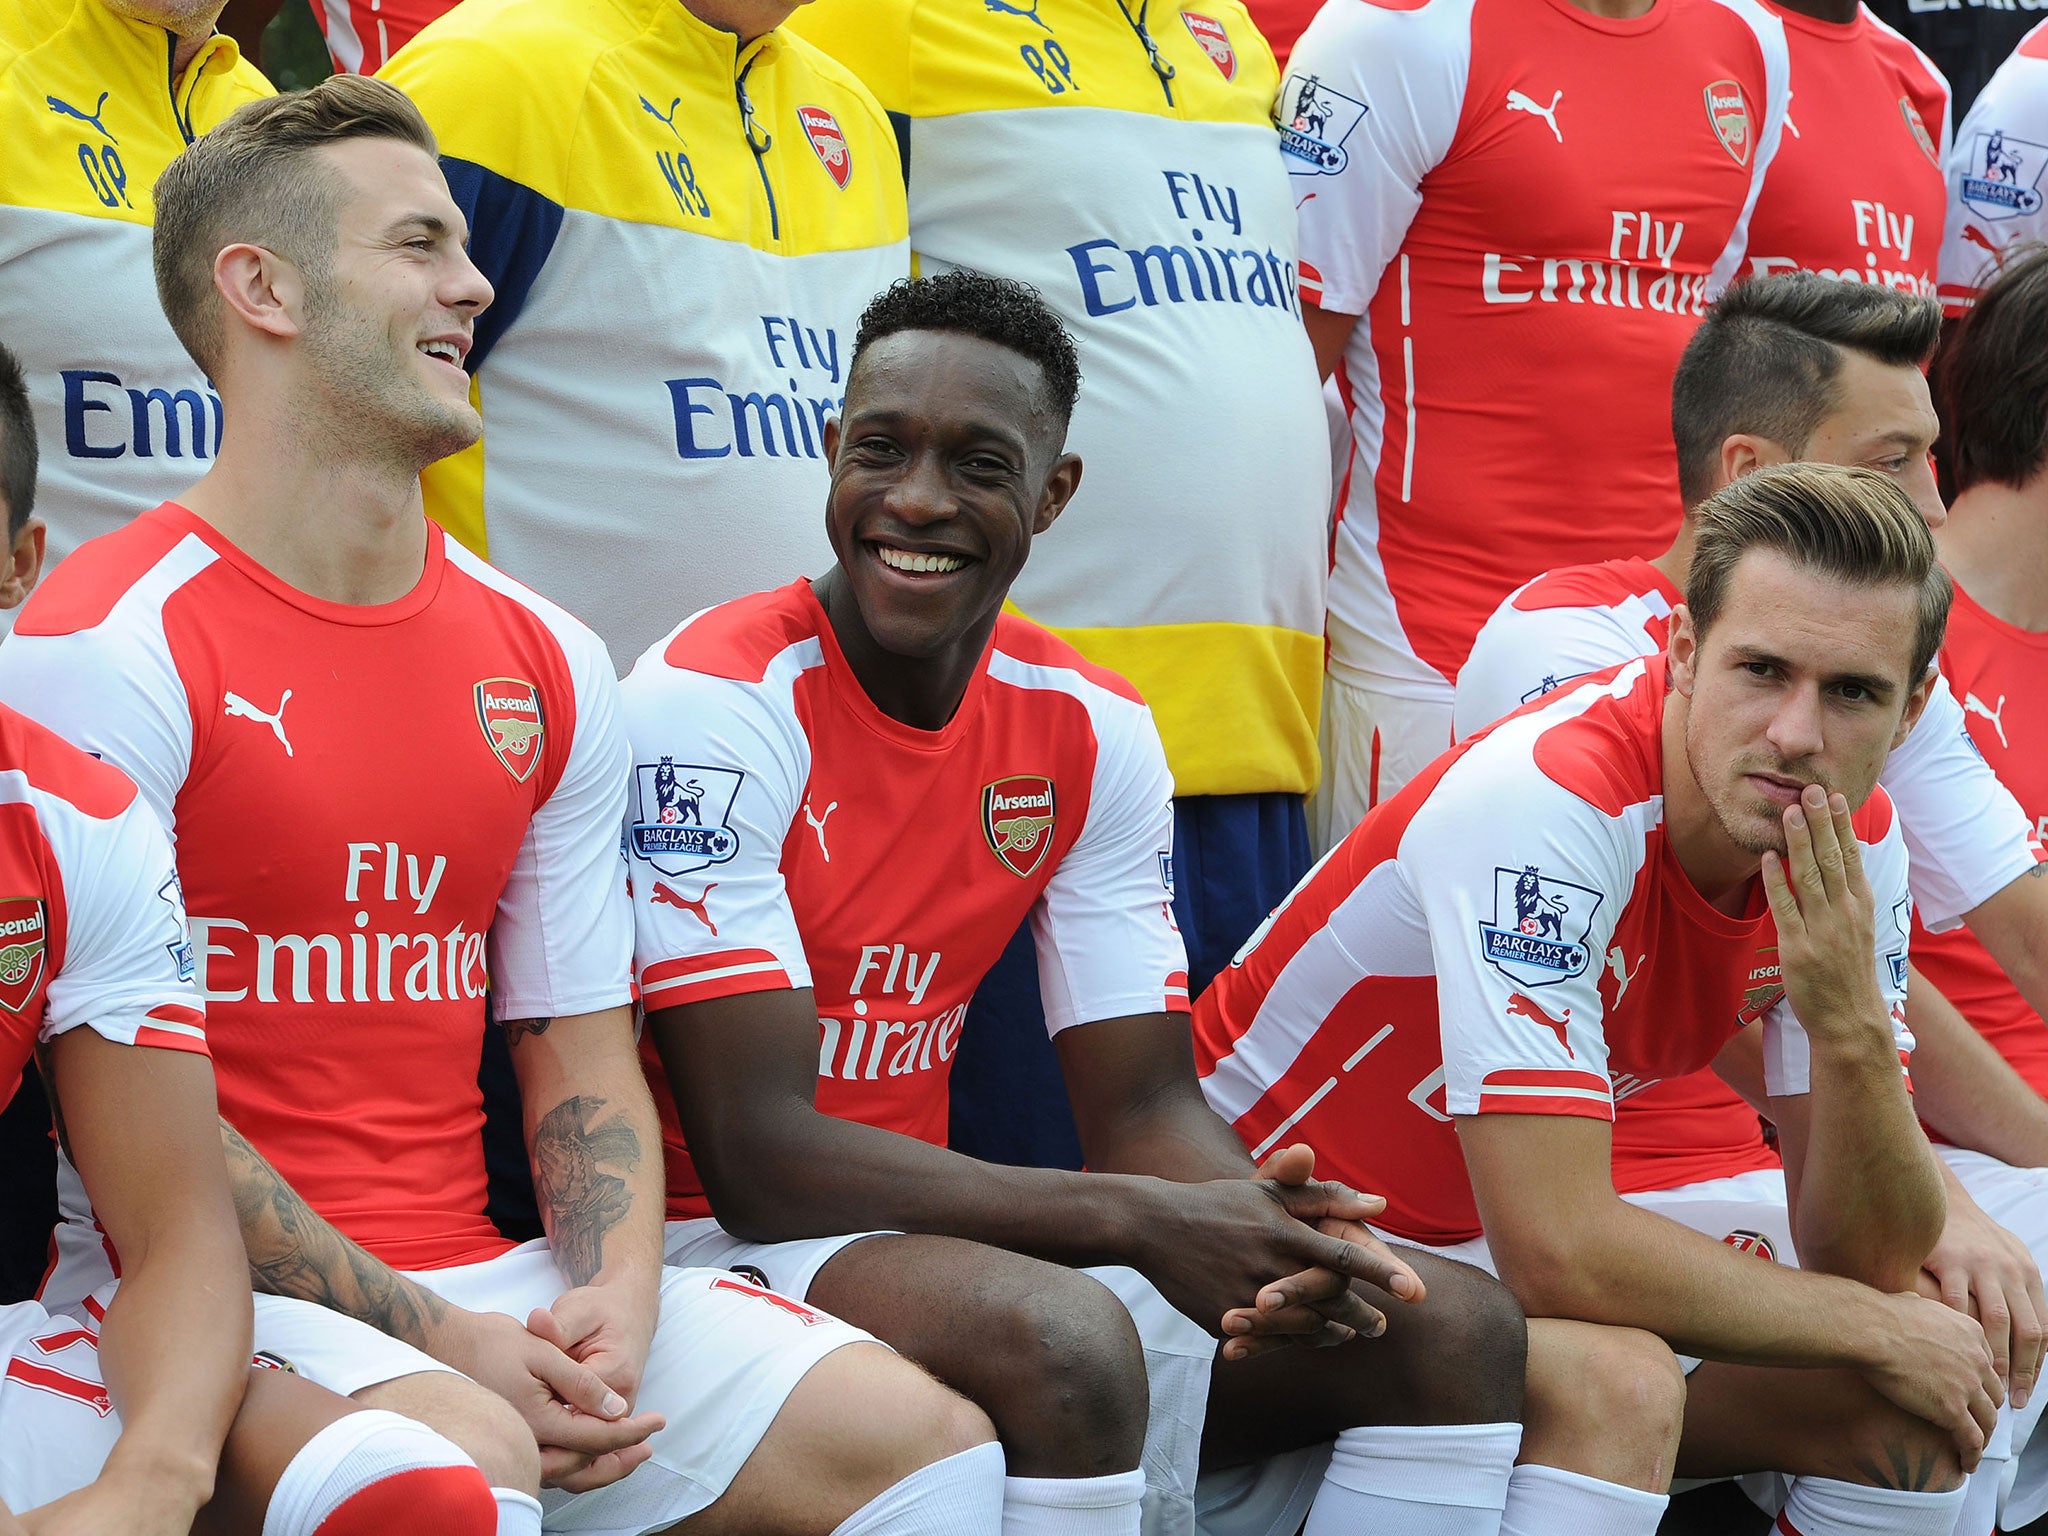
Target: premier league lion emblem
[[1545, 940], [1314, 121], [685, 816]]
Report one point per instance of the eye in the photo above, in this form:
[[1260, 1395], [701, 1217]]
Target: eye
[[1896, 465], [1854, 693], [1759, 669], [420, 243]]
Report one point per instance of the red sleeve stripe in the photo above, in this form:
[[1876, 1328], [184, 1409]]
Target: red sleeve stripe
[[174, 1038], [1176, 987], [1532, 1091], [176, 1014], [668, 983]]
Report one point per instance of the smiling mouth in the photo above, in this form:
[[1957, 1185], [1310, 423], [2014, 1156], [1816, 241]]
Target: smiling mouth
[[914, 563], [443, 352]]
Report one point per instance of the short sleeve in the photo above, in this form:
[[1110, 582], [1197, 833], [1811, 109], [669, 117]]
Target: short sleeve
[[1997, 171], [719, 768], [1522, 885], [1107, 944], [1368, 107], [562, 944], [127, 971], [1522, 654], [1787, 1058], [1966, 833]]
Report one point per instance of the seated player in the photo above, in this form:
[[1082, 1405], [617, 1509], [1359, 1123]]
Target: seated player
[[1430, 1009], [392, 771], [1995, 403], [115, 1418], [849, 794], [1803, 367]]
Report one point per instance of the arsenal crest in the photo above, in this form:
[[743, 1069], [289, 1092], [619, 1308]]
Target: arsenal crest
[[1917, 126], [508, 709], [1742, 1240], [822, 129], [1728, 112], [1017, 819], [1208, 31], [22, 934]]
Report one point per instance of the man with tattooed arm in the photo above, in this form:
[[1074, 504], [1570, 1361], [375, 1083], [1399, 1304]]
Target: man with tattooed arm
[[391, 772]]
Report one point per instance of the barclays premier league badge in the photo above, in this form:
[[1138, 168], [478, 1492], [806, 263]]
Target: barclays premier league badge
[[685, 815], [2004, 176], [1314, 121], [1538, 935]]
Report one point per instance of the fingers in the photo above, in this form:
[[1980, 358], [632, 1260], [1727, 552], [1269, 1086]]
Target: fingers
[[1995, 1317], [575, 1384], [1294, 1164], [583, 1435], [1323, 1294], [1827, 818], [1785, 912], [1853, 878], [1364, 1258], [2030, 1338], [574, 1473]]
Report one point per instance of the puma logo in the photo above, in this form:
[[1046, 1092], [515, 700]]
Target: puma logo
[[1520, 1006], [668, 118], [65, 109], [1029, 13], [1517, 102], [1617, 967], [1975, 706], [818, 826], [239, 708], [667, 896]]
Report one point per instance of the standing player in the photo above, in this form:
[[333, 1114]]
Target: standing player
[[1856, 189], [850, 793], [1490, 193], [1996, 547], [1996, 173], [391, 772], [1431, 1010], [114, 1419], [1790, 367]]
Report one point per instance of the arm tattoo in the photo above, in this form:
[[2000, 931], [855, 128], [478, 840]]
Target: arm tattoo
[[1911, 1468], [294, 1252], [517, 1030], [579, 1201]]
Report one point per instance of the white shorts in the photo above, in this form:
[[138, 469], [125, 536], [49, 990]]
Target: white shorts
[[2017, 1199], [1372, 744], [1269, 1499]]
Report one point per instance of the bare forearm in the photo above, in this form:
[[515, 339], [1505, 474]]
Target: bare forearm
[[1629, 1267], [1966, 1090], [597, 1177], [176, 1360], [1186, 1143], [296, 1252], [1865, 1187]]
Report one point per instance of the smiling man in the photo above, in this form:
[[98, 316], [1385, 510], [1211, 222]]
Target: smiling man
[[850, 794], [1431, 1008]]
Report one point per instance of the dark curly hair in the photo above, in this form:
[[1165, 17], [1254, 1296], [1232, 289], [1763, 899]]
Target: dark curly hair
[[1993, 377], [17, 445], [1010, 314]]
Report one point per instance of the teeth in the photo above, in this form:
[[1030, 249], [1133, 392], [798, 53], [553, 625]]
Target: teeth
[[905, 560], [445, 350]]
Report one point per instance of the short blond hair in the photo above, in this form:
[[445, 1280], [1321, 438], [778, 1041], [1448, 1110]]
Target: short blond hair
[[253, 180], [1852, 524]]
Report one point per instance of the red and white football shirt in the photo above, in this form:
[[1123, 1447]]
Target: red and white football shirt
[[1997, 670], [1531, 207], [1998, 173], [375, 809], [92, 926], [1856, 191], [362, 34], [785, 833], [1510, 934]]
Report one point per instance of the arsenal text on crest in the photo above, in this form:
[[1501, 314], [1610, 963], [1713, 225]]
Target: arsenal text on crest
[[1728, 113], [509, 710], [23, 934], [1017, 817], [822, 129], [1208, 31]]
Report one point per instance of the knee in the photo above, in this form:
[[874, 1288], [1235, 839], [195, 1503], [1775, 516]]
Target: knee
[[1069, 1396], [887, 1419], [488, 1429], [1885, 1443], [1620, 1389], [1464, 1351]]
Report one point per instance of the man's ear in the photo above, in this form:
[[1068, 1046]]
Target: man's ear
[[1743, 453], [1916, 706], [23, 565], [831, 440], [1682, 651], [262, 289], [1060, 485]]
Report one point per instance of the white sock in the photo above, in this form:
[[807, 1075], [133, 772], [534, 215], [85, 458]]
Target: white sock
[[1548, 1501], [359, 1450], [1073, 1506], [1417, 1480], [960, 1496], [1820, 1506], [518, 1513], [1979, 1516]]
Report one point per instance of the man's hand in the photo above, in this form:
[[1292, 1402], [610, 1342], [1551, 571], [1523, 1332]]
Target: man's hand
[[106, 1507], [1936, 1364], [587, 1432], [602, 1328], [1215, 1246], [1821, 901], [1983, 1271]]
